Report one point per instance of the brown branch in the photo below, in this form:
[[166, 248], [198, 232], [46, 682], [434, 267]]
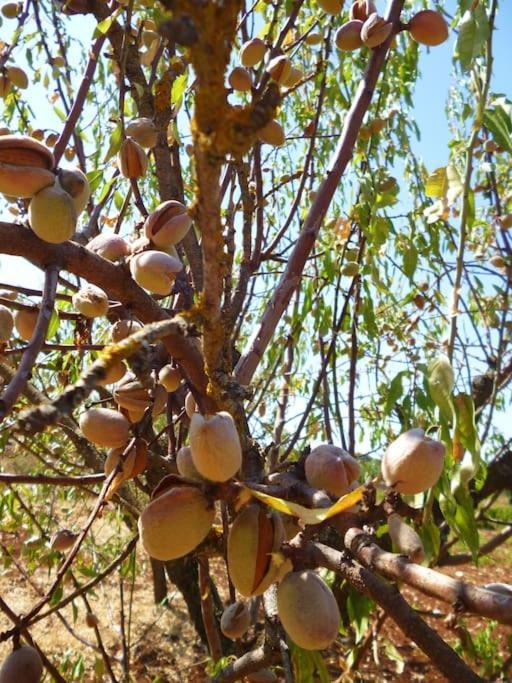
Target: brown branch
[[18, 382], [465, 596], [207, 611], [78, 104], [90, 585], [291, 277], [394, 605], [114, 279], [35, 419], [68, 561], [10, 479], [485, 549]]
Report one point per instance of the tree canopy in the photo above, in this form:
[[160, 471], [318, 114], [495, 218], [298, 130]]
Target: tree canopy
[[269, 360]]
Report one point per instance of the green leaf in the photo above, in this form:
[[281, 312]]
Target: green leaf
[[394, 392], [473, 31], [499, 123], [465, 424], [431, 538], [115, 142], [53, 325], [359, 608], [459, 512], [308, 665], [410, 260], [440, 380]]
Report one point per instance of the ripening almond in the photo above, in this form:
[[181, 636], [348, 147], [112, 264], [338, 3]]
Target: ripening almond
[[428, 27], [91, 301], [190, 404], [25, 321], [17, 76], [235, 620], [240, 79], [413, 463], [132, 160], [10, 10], [185, 464], [75, 183], [272, 134], [332, 469], [405, 539], [174, 523], [115, 372], [52, 214], [5, 85], [167, 224], [26, 166], [91, 620], [295, 76], [143, 131], [308, 610], [6, 323], [122, 329], [109, 246], [313, 38], [375, 30], [215, 445], [331, 6], [279, 68], [348, 36], [252, 52], [105, 427], [254, 539], [170, 378], [155, 271], [23, 664], [361, 9], [63, 540]]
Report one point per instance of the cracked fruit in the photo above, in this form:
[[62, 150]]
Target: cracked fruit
[[255, 536], [155, 271], [26, 166], [168, 224]]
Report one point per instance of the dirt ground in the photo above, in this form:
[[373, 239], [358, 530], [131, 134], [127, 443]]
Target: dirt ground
[[164, 647]]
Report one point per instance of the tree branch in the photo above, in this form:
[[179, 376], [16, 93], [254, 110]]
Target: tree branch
[[17, 240], [291, 277], [466, 597], [18, 382], [389, 598]]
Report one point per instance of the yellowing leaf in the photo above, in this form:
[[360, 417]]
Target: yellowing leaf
[[437, 185], [307, 515]]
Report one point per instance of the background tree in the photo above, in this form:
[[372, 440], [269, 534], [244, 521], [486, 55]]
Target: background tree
[[252, 287]]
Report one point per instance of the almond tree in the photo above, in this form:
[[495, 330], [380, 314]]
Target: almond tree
[[269, 341]]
